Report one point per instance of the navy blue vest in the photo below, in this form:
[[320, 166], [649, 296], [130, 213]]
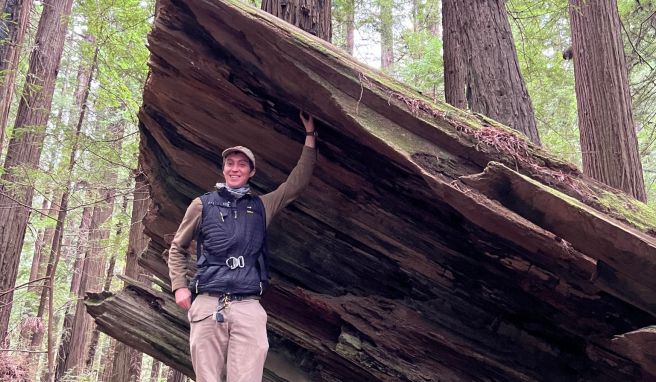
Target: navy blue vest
[[231, 252]]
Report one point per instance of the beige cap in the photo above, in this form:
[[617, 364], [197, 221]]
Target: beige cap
[[240, 149]]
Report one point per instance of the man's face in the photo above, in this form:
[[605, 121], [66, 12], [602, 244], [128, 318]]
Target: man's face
[[237, 170]]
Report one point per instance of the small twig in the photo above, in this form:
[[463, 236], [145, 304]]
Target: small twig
[[628, 37], [21, 286], [25, 351], [8, 196], [357, 105]]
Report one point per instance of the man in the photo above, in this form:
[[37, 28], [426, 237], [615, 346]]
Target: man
[[228, 336]]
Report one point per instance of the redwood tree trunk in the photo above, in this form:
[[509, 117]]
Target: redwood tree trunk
[[495, 86], [105, 368], [85, 76], [154, 370], [115, 133], [84, 334], [54, 236], [25, 148], [350, 27], [454, 64], [386, 34], [39, 245], [175, 376], [609, 145], [43, 256], [93, 277], [127, 361], [15, 17], [69, 318], [313, 16]]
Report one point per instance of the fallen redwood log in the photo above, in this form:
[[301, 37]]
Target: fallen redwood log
[[406, 259], [628, 252]]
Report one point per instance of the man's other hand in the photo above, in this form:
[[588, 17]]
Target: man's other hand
[[183, 298]]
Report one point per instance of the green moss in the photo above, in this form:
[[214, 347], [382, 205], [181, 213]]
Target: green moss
[[635, 212], [392, 134], [625, 208]]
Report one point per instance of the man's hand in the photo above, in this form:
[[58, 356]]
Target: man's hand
[[308, 123], [183, 298]]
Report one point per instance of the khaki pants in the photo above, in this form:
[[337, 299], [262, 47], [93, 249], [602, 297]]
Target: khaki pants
[[233, 350]]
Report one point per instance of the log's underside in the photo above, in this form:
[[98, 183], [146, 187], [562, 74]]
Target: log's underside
[[431, 245]]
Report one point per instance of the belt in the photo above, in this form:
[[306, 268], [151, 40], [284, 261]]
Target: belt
[[232, 297]]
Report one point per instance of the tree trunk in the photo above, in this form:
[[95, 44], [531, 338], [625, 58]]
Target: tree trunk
[[609, 146], [92, 279], [106, 366], [115, 133], [48, 236], [454, 64], [154, 370], [127, 361], [81, 247], [25, 145], [313, 16], [67, 330], [173, 375], [386, 34], [39, 245], [350, 26], [495, 86], [15, 17], [85, 76], [85, 335]]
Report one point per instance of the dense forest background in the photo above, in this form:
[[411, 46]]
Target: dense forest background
[[82, 177]]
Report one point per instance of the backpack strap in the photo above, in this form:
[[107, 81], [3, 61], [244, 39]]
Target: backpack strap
[[263, 258], [207, 200]]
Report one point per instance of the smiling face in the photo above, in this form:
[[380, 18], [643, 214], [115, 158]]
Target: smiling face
[[237, 170]]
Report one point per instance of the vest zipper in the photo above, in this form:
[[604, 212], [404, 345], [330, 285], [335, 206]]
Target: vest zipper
[[196, 286]]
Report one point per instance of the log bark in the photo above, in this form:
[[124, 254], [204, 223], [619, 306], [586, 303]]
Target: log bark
[[609, 146], [389, 266], [129, 321], [629, 252]]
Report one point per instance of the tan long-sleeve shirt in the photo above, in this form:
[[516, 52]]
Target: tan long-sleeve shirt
[[274, 201]]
